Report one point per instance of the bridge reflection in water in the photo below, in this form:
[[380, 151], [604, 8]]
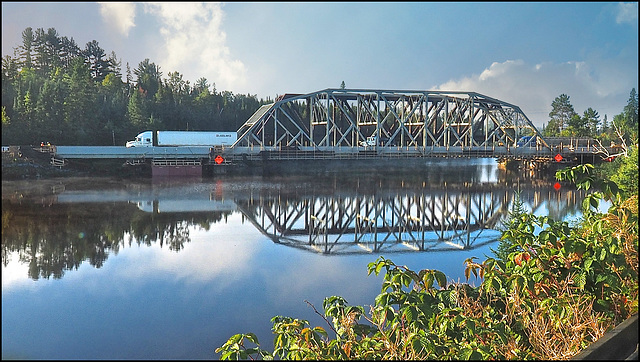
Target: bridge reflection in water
[[453, 217], [354, 215]]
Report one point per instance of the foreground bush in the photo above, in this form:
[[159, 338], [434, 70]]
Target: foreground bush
[[556, 290]]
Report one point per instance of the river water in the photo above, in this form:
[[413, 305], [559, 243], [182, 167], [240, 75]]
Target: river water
[[171, 268]]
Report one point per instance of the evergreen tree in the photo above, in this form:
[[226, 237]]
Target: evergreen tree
[[129, 79], [591, 120], [80, 111], [9, 77], [27, 47], [631, 113], [561, 114], [201, 85], [68, 50], [53, 49], [136, 112], [95, 57], [50, 110], [112, 102], [54, 91], [115, 65], [149, 78], [41, 61], [605, 125]]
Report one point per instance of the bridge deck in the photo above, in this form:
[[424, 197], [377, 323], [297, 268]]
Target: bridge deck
[[129, 153], [233, 154]]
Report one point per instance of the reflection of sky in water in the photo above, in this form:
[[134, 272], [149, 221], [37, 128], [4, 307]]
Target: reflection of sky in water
[[149, 302]]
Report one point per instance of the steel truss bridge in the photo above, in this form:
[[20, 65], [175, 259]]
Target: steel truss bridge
[[451, 218], [357, 123]]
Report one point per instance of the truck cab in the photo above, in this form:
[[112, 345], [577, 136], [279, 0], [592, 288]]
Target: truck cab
[[144, 139]]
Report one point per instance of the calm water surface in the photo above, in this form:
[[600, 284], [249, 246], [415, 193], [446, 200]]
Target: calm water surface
[[170, 269]]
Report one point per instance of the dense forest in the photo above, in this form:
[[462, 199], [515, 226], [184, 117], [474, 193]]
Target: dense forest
[[55, 91]]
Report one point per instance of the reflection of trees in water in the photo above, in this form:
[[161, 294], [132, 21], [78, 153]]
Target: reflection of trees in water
[[147, 228], [60, 237], [53, 239]]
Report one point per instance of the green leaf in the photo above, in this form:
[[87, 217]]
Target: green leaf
[[379, 267], [475, 355], [579, 247], [568, 245], [453, 297], [227, 355], [428, 280], [496, 283], [320, 330], [587, 264], [390, 314], [411, 313], [441, 278], [252, 337], [405, 279], [382, 299], [602, 255], [471, 325]]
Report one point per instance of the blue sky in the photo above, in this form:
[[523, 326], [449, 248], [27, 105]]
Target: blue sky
[[522, 53]]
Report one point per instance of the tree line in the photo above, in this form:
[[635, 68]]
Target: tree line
[[564, 121], [55, 91]]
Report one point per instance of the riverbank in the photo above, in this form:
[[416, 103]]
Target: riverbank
[[24, 163], [27, 163]]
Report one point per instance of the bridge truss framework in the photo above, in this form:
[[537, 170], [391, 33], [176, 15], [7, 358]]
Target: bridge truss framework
[[419, 123]]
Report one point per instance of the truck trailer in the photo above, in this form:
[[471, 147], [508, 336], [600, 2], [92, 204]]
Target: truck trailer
[[183, 138]]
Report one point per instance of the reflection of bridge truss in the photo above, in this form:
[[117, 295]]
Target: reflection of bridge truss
[[384, 122], [432, 220]]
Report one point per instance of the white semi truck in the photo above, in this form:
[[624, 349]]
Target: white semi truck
[[183, 138]]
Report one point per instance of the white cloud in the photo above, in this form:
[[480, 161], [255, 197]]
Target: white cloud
[[627, 13], [120, 15], [599, 84], [195, 44], [202, 259], [15, 274]]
